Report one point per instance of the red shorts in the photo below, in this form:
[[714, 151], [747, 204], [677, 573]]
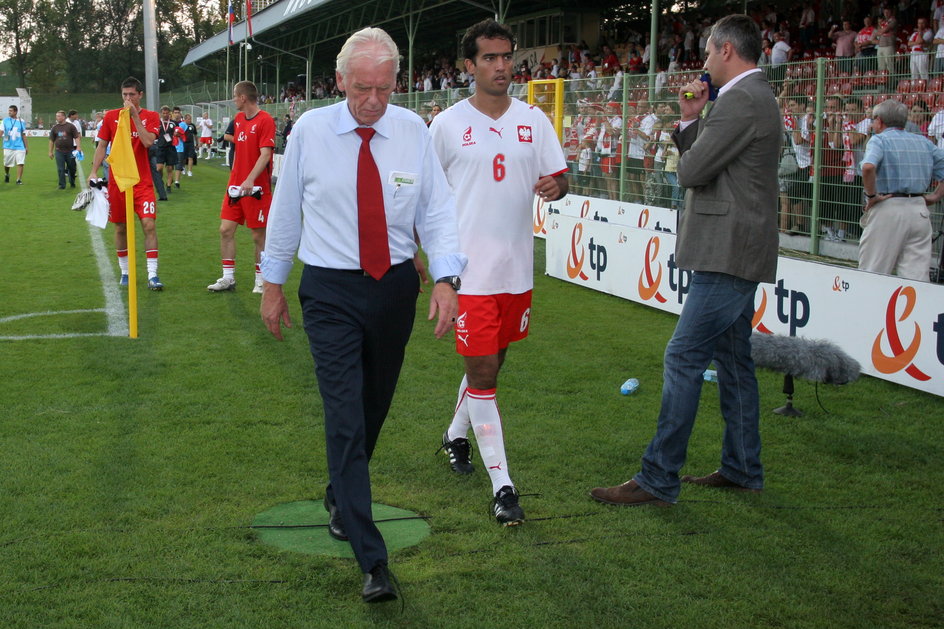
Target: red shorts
[[145, 205], [487, 324], [607, 165], [248, 211], [206, 140]]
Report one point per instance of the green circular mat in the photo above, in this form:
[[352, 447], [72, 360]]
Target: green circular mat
[[302, 527]]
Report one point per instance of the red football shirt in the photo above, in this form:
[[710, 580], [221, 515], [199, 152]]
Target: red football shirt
[[251, 135], [152, 122]]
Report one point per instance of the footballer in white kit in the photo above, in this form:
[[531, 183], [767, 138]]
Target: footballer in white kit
[[497, 153], [492, 166]]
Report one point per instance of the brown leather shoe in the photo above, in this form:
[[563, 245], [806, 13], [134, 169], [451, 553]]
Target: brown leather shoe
[[629, 494], [715, 479]]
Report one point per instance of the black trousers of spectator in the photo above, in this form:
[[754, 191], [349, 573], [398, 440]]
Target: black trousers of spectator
[[865, 60], [358, 328], [65, 163], [155, 175]]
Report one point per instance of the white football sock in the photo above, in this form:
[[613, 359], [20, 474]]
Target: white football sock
[[123, 261], [151, 255], [459, 428], [486, 423]]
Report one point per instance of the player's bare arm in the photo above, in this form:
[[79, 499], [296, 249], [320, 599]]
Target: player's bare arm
[[552, 188]]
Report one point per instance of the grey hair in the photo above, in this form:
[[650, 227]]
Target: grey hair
[[743, 34], [368, 42], [892, 112]]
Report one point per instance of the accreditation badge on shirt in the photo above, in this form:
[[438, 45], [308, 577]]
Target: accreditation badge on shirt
[[399, 178]]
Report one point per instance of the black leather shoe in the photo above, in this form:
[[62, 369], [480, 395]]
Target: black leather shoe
[[377, 586], [335, 523]]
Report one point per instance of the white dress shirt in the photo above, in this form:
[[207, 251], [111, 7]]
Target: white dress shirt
[[314, 208]]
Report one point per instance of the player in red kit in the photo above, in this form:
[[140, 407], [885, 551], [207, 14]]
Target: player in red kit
[[254, 138], [144, 128]]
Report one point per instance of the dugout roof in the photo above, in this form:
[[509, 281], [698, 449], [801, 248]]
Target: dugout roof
[[308, 27]]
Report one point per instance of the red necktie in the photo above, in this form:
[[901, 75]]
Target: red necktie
[[371, 220]]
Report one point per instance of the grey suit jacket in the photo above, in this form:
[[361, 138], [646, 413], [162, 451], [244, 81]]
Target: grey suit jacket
[[729, 164]]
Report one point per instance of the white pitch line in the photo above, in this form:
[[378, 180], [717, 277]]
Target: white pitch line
[[63, 335], [30, 337], [114, 306], [47, 314]]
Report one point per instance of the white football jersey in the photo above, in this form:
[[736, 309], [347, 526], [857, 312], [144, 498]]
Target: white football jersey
[[492, 167], [206, 127]]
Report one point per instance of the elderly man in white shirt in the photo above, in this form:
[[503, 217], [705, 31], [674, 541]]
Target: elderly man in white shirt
[[357, 178]]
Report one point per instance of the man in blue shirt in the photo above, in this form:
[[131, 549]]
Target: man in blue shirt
[[14, 145], [359, 183], [897, 169]]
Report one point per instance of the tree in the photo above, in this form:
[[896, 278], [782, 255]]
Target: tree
[[92, 45]]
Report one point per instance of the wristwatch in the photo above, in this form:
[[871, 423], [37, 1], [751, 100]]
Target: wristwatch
[[452, 280]]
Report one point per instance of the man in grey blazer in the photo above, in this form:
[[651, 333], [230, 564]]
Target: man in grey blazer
[[728, 237]]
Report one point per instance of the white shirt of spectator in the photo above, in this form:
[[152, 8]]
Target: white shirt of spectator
[[617, 89], [936, 128], [78, 127], [206, 127], [917, 42], [778, 54], [637, 144], [583, 165]]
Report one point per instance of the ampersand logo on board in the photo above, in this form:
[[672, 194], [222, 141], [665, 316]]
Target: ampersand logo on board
[[649, 278], [901, 357]]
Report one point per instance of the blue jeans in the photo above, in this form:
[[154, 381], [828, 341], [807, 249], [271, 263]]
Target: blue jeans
[[715, 324], [678, 192], [65, 164]]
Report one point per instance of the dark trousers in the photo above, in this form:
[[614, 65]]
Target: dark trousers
[[357, 328], [155, 175], [65, 163]]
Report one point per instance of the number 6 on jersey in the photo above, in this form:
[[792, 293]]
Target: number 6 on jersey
[[498, 167]]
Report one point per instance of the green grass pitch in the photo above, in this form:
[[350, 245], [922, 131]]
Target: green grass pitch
[[130, 470]]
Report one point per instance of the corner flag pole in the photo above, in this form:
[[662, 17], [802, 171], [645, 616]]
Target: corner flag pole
[[132, 265]]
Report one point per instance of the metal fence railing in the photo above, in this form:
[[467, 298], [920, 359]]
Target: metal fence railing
[[616, 137]]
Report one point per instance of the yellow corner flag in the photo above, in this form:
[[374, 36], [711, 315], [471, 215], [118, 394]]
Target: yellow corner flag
[[124, 169]]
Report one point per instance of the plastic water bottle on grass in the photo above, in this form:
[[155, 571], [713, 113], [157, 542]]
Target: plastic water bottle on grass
[[710, 375], [630, 386]]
